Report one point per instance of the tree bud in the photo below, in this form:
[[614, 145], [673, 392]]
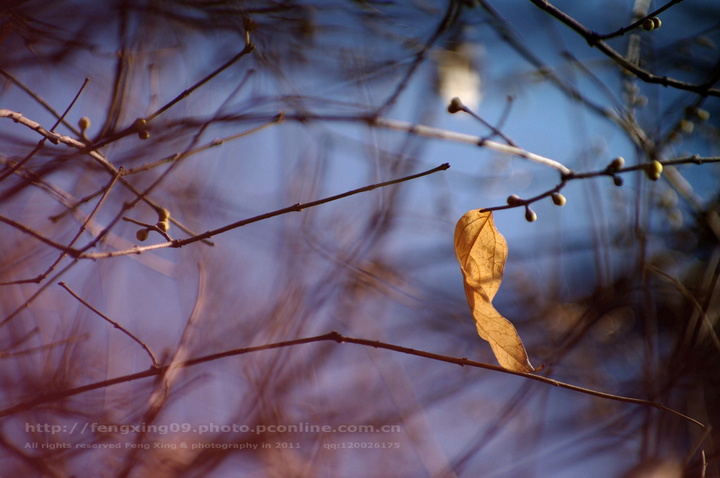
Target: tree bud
[[84, 123], [530, 215]]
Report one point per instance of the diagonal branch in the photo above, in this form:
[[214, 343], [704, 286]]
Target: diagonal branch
[[294, 208]]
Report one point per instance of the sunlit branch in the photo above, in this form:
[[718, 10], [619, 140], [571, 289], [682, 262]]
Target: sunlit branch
[[432, 132]]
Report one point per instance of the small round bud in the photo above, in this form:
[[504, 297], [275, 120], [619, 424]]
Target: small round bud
[[558, 199], [163, 225], [142, 234], [617, 163], [618, 181], [163, 214], [143, 134], [656, 22], [84, 123], [703, 115], [648, 24], [653, 170], [530, 215], [140, 124], [513, 200], [455, 105]]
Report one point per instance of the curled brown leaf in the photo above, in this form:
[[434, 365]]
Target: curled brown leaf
[[482, 251]]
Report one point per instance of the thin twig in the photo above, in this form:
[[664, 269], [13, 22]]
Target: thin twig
[[496, 131], [277, 119], [602, 172], [42, 288], [696, 444], [39, 99], [451, 15], [501, 25], [51, 345], [704, 319], [133, 129], [92, 149], [35, 234], [336, 337], [636, 23], [249, 47], [115, 324], [83, 227], [295, 208], [160, 395], [66, 249], [18, 118]]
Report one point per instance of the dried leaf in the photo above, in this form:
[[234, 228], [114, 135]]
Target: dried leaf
[[482, 251]]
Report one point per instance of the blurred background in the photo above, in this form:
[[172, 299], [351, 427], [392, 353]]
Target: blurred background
[[617, 291]]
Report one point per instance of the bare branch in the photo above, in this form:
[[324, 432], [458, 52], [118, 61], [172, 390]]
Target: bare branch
[[593, 40], [114, 324], [336, 337], [431, 132], [295, 208]]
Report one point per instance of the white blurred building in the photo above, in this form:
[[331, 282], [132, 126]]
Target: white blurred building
[[458, 73]]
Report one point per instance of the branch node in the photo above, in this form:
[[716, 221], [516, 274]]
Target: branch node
[[336, 336]]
